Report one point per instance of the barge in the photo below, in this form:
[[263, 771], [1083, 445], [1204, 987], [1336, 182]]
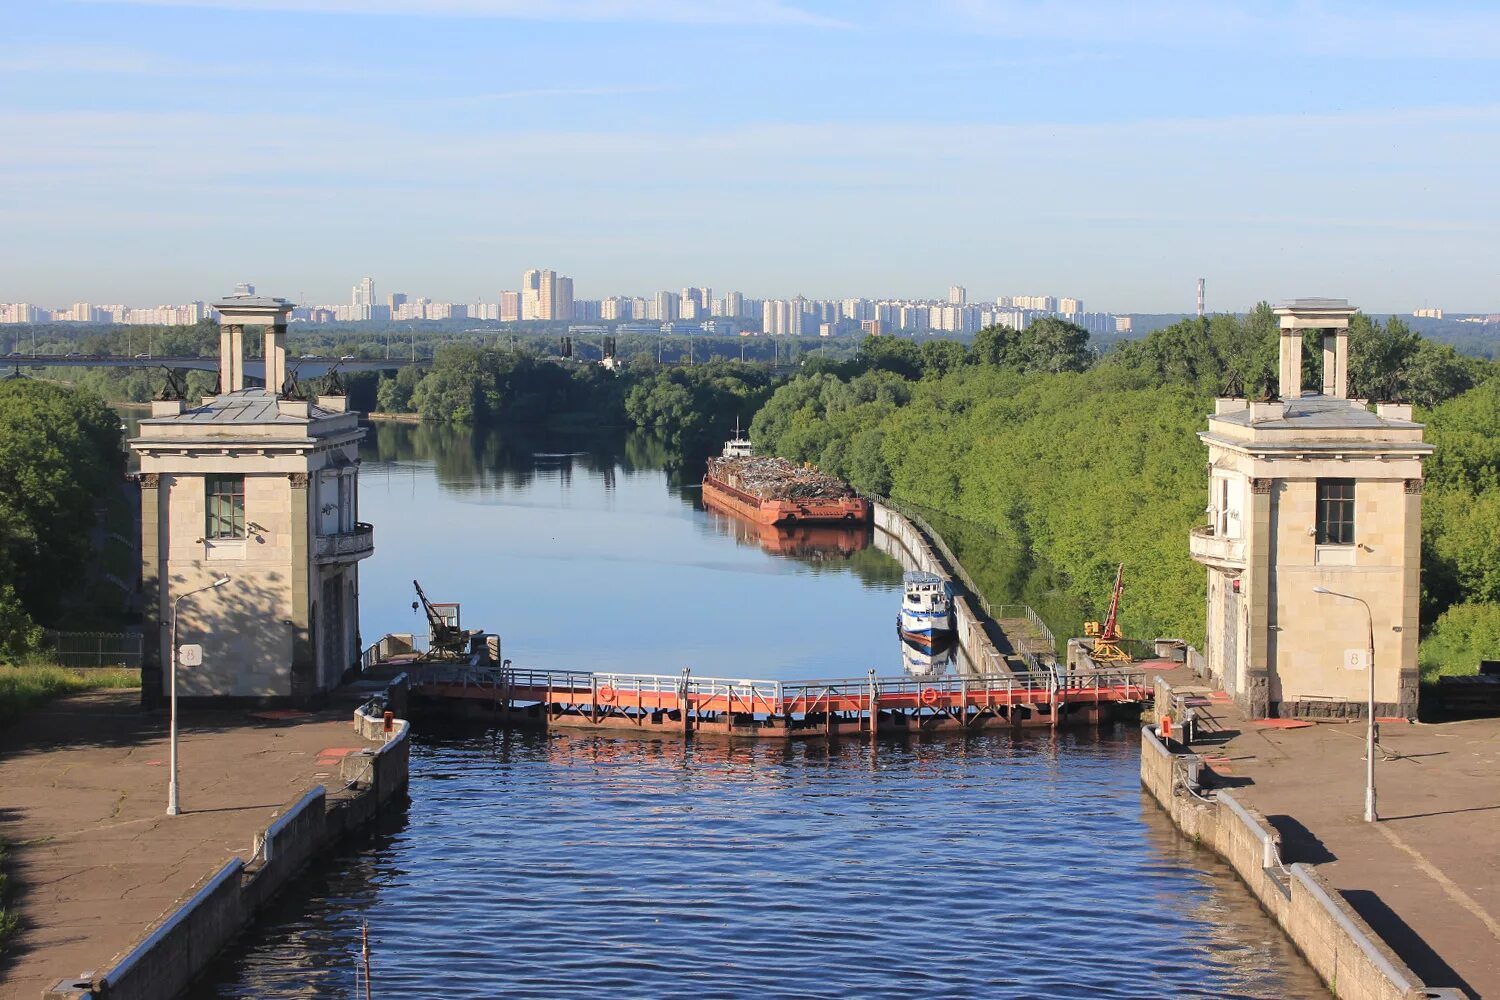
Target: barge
[[773, 491]]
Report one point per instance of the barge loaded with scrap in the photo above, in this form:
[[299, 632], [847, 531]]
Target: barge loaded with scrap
[[774, 491]]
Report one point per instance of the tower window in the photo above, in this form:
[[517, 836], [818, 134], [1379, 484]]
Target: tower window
[[225, 506], [1335, 512]]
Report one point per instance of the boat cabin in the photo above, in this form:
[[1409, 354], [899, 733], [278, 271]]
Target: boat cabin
[[738, 448], [926, 591]]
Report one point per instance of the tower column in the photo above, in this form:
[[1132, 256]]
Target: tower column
[[151, 679], [275, 355], [236, 358], [1291, 364], [1253, 686]]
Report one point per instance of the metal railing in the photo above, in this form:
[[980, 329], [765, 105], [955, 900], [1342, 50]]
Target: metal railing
[[773, 697], [95, 649]]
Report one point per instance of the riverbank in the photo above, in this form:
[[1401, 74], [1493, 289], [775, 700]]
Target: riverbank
[[1420, 884], [101, 878]]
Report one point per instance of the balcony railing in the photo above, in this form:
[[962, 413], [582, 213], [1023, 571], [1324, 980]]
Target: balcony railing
[[347, 546], [1207, 547]]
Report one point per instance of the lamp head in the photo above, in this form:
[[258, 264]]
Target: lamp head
[[1321, 590], [221, 581]]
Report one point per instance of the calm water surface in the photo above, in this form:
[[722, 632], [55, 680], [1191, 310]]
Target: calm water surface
[[534, 865]]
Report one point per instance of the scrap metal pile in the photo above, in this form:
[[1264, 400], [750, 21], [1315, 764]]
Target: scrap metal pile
[[777, 479]]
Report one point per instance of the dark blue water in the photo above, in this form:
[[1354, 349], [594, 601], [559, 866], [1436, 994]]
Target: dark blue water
[[559, 865]]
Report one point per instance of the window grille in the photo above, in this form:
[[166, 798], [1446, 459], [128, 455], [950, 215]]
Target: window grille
[[226, 506], [1335, 512]]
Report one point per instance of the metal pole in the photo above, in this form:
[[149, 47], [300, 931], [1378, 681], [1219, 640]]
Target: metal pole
[[173, 809], [364, 945], [1370, 815]]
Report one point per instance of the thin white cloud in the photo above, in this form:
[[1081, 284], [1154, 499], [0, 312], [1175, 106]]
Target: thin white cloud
[[84, 60], [1304, 26], [545, 92], [769, 12]]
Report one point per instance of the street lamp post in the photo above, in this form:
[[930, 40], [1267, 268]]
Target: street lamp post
[[1370, 814], [173, 808]]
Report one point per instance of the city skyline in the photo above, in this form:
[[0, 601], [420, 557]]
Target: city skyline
[[1281, 150]]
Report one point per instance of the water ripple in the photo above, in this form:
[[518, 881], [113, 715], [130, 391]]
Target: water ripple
[[541, 867]]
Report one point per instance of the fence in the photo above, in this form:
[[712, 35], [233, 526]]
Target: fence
[[95, 649]]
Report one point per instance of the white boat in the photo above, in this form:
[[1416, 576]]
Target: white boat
[[737, 446], [926, 607]]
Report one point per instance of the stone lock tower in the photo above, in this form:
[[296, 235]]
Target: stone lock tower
[[263, 489], [1312, 490]]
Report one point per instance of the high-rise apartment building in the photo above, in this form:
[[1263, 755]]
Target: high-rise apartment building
[[546, 295], [666, 307], [1070, 307], [957, 295], [734, 304], [510, 307], [363, 299], [396, 300]]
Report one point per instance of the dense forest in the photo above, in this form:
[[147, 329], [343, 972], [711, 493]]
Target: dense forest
[[1075, 464]]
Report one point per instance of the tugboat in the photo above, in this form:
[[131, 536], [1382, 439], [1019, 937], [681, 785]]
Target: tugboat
[[926, 609], [774, 491]]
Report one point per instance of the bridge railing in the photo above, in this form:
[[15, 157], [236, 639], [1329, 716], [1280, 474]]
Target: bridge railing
[[776, 697]]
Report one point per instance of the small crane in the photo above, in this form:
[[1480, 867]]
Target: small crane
[[445, 639], [1107, 638]]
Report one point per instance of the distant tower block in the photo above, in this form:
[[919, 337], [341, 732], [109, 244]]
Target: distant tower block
[[1200, 298]]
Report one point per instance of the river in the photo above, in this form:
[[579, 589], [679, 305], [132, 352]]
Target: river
[[534, 865]]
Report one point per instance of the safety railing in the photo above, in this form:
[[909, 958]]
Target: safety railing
[[772, 697]]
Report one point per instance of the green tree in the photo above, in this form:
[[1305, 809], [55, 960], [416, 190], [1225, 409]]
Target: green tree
[[61, 454]]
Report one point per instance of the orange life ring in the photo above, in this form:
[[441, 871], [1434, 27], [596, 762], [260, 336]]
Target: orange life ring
[[928, 697], [607, 694]]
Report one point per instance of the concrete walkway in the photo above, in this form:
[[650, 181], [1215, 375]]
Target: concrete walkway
[[94, 859], [1427, 876]]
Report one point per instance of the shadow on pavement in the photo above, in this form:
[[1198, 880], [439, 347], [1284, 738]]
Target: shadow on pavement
[[1413, 949]]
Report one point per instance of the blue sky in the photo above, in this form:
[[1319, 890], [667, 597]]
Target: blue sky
[[161, 150]]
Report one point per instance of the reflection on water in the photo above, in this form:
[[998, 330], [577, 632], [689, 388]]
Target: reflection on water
[[926, 661], [541, 865]]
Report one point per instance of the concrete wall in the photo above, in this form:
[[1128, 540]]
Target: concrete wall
[[185, 940], [1335, 940], [911, 549]]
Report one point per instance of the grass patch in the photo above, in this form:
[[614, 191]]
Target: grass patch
[[23, 688]]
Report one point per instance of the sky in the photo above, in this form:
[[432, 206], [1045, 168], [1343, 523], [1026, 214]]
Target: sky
[[161, 150]]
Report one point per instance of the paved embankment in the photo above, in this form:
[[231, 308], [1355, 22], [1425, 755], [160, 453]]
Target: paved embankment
[[1424, 881], [99, 869]]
